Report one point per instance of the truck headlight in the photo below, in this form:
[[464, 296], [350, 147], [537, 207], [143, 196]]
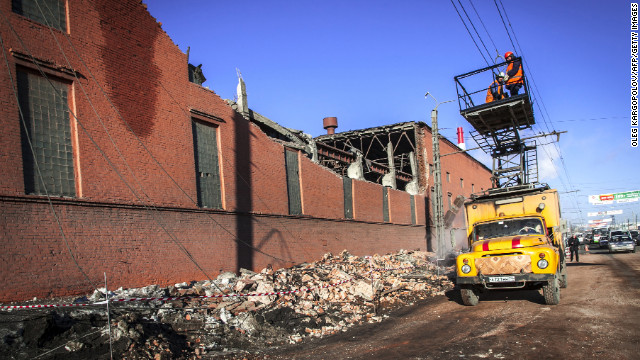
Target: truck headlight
[[466, 269], [542, 263]]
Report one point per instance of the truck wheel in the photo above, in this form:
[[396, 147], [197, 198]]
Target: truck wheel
[[551, 292], [563, 279], [469, 296], [563, 274]]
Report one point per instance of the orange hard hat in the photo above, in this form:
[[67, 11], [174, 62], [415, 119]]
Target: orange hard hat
[[507, 54]]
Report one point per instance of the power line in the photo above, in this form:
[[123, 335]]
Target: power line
[[469, 32], [505, 25], [474, 29], [234, 238], [485, 28], [37, 165], [593, 119], [564, 166], [180, 246]]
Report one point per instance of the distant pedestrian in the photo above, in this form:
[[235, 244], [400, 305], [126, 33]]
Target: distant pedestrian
[[574, 247]]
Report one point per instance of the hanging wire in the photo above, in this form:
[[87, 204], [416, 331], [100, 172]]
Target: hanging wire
[[469, 32], [37, 165], [148, 151], [476, 31], [103, 154], [485, 28]]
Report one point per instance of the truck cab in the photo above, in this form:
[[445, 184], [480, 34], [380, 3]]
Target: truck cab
[[515, 242]]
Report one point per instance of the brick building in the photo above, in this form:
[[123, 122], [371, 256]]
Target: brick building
[[114, 162]]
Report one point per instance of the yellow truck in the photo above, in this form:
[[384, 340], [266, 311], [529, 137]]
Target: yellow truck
[[515, 242]]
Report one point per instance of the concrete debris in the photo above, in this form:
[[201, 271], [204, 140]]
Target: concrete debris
[[233, 325]]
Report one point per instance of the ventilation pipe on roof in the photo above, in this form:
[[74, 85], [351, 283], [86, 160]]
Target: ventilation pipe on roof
[[330, 123]]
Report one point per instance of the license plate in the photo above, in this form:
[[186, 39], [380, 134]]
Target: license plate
[[498, 279]]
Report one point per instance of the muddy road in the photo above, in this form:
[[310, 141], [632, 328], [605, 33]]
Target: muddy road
[[598, 318]]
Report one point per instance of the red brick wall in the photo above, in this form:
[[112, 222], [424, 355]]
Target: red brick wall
[[399, 207], [322, 191], [136, 173], [137, 247], [367, 201]]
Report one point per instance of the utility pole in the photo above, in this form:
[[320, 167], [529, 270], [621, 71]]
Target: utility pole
[[438, 197]]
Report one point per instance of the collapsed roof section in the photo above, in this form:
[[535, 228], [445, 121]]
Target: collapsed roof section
[[385, 155], [392, 155]]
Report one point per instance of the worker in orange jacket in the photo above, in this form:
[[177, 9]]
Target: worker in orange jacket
[[495, 91], [514, 78]]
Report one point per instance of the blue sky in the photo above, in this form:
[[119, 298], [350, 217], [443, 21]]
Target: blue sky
[[369, 63]]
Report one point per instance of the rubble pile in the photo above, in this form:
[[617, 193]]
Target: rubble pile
[[309, 300]]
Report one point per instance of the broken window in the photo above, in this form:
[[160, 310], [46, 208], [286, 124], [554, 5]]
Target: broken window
[[207, 167], [48, 12], [293, 182], [45, 129]]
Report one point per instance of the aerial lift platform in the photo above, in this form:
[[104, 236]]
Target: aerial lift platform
[[497, 126]]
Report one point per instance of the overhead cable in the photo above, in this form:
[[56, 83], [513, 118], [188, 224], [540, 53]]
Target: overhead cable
[[469, 32]]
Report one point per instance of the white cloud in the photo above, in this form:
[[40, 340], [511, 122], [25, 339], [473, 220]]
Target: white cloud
[[548, 163]]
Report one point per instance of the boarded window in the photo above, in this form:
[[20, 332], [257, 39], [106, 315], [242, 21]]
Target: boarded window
[[48, 12], [46, 136], [207, 168], [293, 182], [385, 204], [413, 210], [348, 197]]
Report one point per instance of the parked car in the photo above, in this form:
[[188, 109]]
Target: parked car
[[588, 238], [621, 241], [634, 236]]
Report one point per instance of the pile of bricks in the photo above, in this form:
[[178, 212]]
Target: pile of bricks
[[307, 301]]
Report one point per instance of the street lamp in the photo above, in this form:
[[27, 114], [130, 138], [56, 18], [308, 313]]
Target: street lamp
[[437, 181]]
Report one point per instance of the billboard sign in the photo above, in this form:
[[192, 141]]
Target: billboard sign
[[605, 213], [599, 221], [623, 197]]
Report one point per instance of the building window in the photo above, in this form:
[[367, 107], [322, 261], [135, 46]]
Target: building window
[[461, 183], [449, 195], [205, 141], [48, 12], [473, 188], [348, 197], [385, 204], [47, 152], [413, 209], [448, 177], [293, 182]]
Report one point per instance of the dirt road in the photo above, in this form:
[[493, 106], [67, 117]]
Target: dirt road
[[598, 318]]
